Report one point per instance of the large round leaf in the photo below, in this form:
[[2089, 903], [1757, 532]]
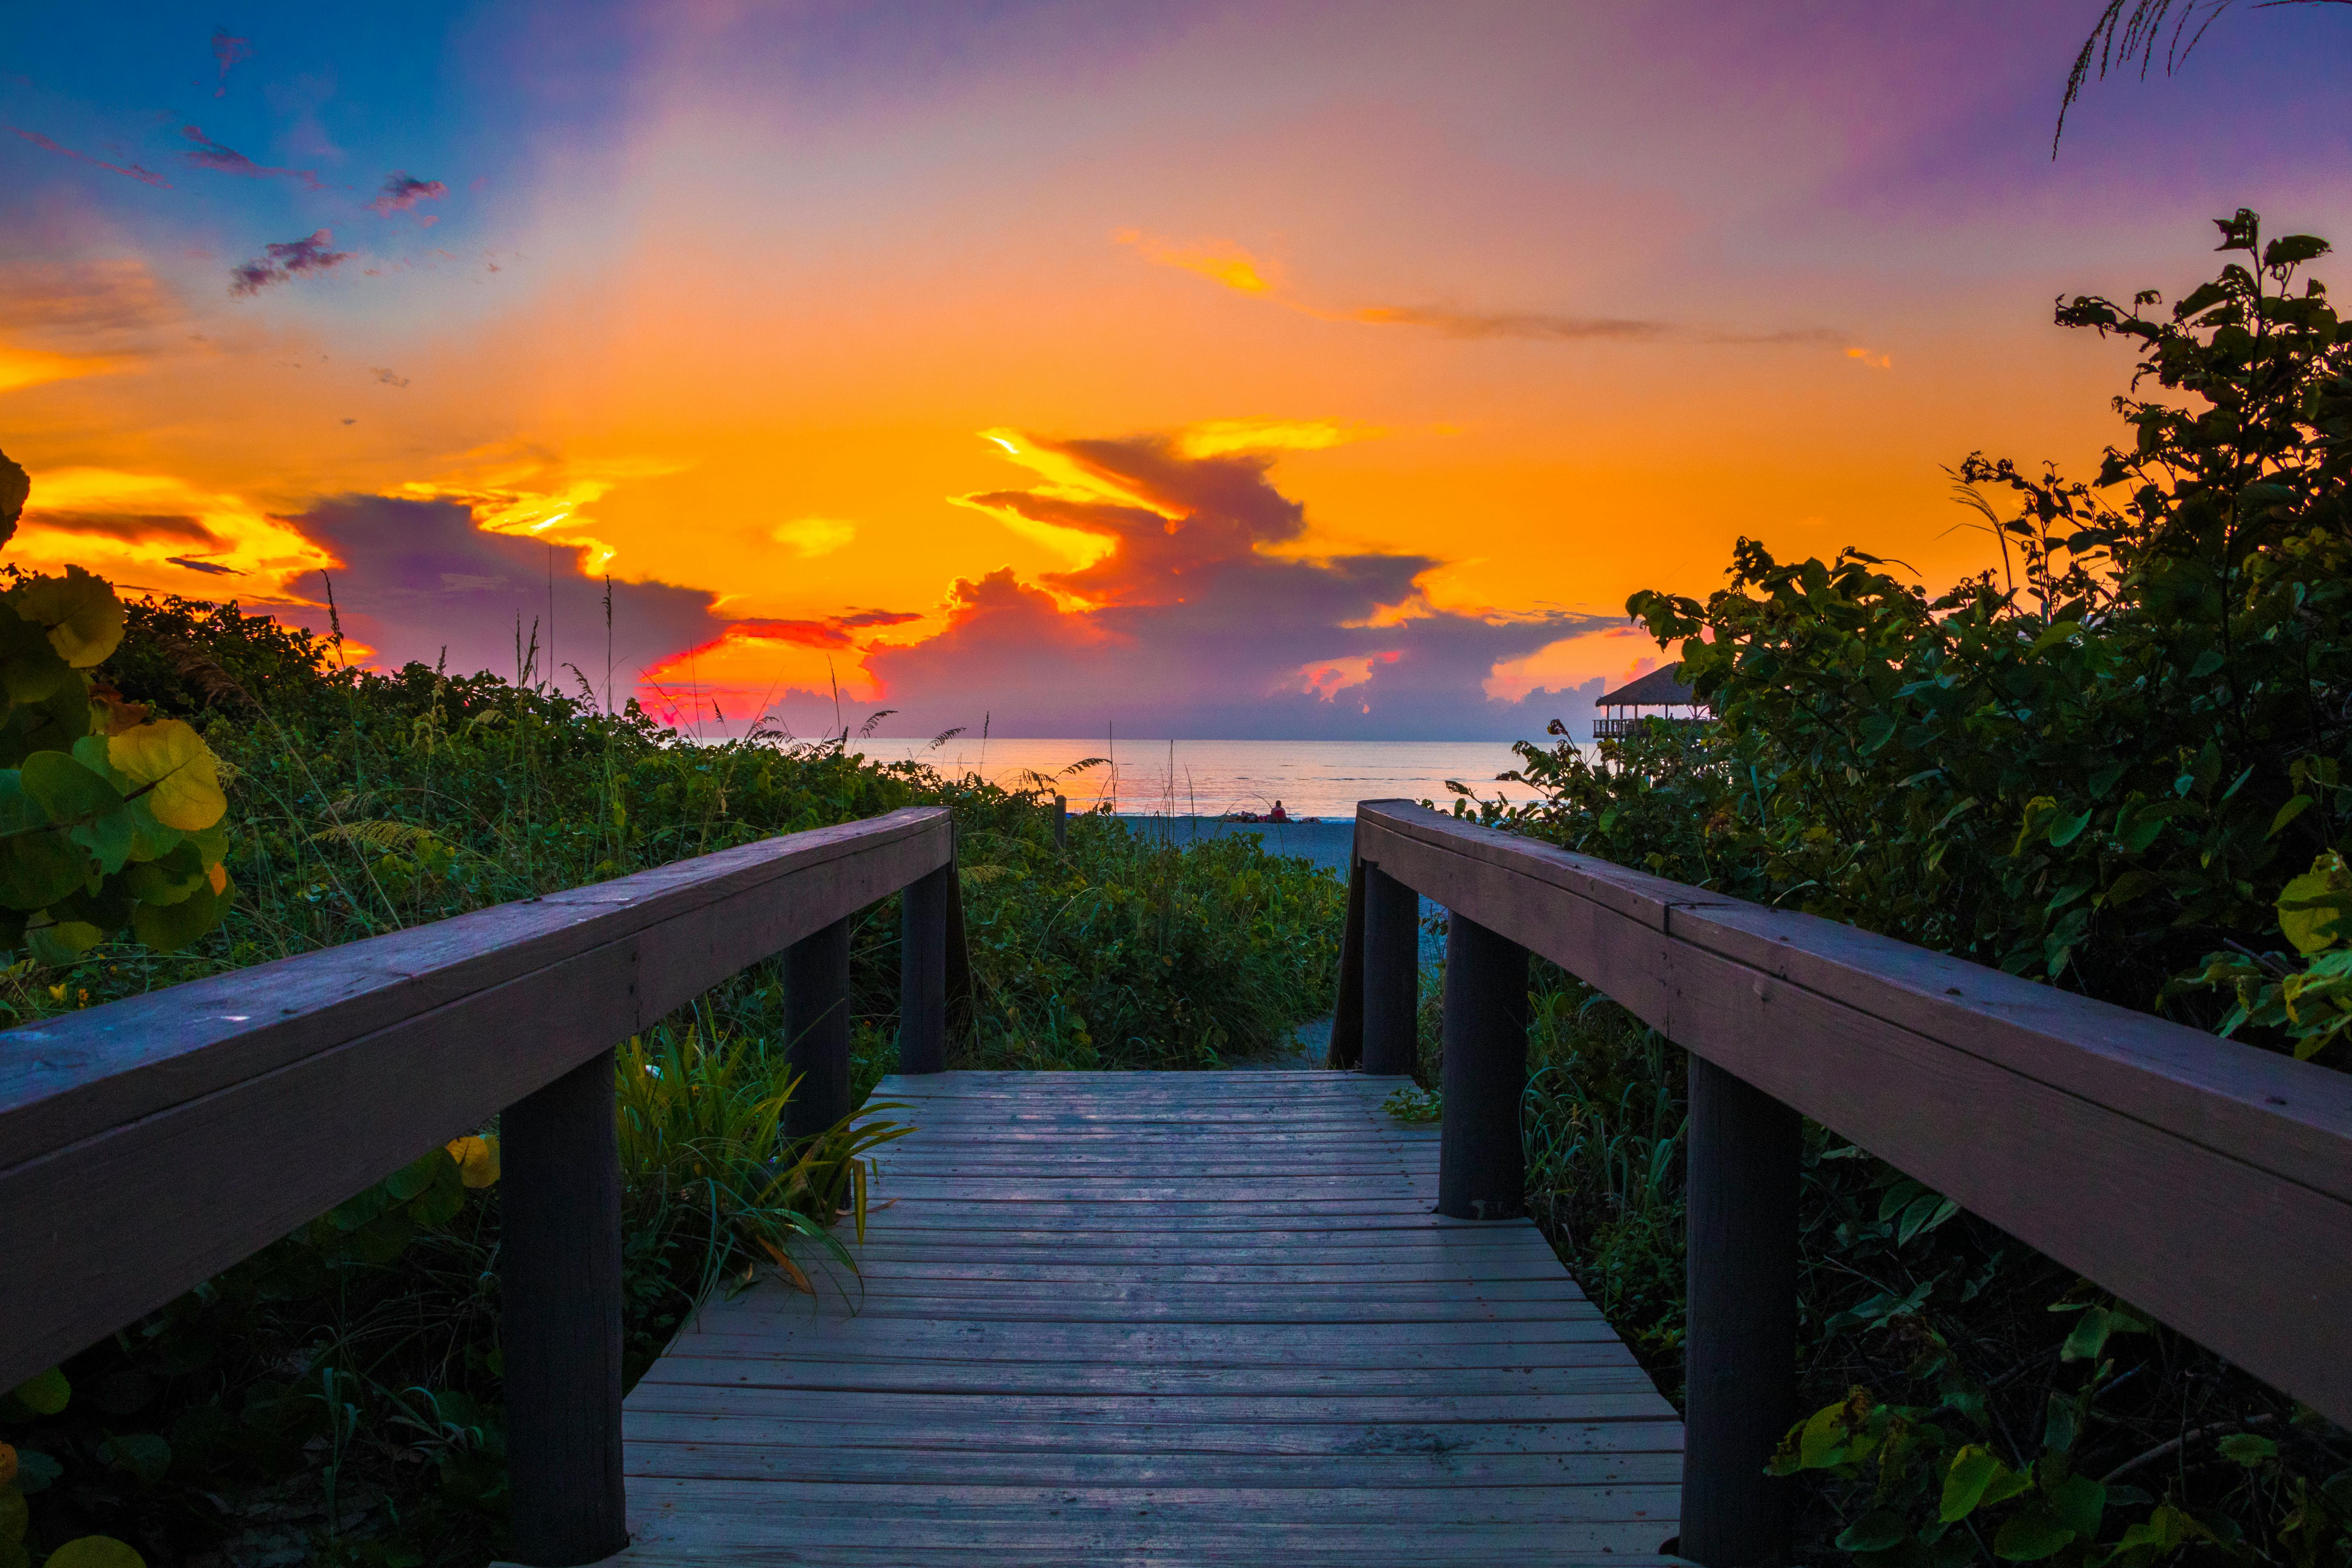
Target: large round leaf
[[171, 926], [83, 617], [173, 757], [96, 1551], [16, 488]]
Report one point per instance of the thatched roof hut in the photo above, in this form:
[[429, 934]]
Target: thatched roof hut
[[1658, 695]]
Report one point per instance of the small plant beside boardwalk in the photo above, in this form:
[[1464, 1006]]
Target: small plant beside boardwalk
[[2115, 762], [336, 1398]]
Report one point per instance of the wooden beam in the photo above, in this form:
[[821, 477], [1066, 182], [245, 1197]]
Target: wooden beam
[[2203, 1180], [1347, 1045], [816, 1028], [923, 971], [560, 1281], [1392, 970], [1481, 1166], [129, 1133]]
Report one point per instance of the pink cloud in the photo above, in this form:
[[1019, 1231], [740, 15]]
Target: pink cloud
[[228, 51], [285, 262], [210, 154], [402, 191], [145, 176]]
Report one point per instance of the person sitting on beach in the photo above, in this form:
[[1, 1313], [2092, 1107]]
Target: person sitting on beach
[[1278, 814]]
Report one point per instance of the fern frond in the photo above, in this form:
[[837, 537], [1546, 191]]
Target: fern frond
[[384, 837]]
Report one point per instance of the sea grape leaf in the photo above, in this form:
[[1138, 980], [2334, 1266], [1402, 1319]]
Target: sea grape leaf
[[62, 941], [79, 611], [168, 878], [96, 1551], [45, 1394], [72, 793], [2033, 1532], [2310, 906], [36, 867], [174, 758], [30, 668], [478, 1160], [169, 927]]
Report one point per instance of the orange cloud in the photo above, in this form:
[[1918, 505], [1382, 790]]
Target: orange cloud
[[1218, 261], [1876, 361], [138, 529]]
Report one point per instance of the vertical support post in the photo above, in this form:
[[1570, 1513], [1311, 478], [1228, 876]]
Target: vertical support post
[[1345, 1050], [1481, 1167], [923, 971], [560, 1274], [1740, 1371], [1061, 822], [1391, 973], [816, 1025]]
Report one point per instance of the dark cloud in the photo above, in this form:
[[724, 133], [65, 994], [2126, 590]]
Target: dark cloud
[[1189, 627], [832, 632], [210, 154], [127, 526], [213, 568], [145, 176], [418, 579], [283, 263], [389, 377], [401, 192], [228, 51]]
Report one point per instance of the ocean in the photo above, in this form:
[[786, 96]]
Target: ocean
[[1321, 778]]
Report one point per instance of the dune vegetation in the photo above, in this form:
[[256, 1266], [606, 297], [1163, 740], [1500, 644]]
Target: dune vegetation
[[2115, 762]]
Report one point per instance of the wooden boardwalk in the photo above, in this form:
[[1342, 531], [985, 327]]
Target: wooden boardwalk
[[1158, 1318]]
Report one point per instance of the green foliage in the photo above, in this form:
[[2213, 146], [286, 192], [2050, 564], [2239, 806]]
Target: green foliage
[[109, 823], [2115, 762], [1415, 1104]]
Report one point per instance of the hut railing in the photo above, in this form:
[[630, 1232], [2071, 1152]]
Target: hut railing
[[2205, 1181], [149, 1144]]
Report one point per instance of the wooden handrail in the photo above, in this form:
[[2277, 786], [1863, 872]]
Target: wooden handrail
[[149, 1144], [2203, 1180]]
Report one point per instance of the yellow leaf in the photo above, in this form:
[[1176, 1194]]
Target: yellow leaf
[[478, 1160], [96, 1551], [219, 876], [787, 1267], [83, 617], [174, 758]]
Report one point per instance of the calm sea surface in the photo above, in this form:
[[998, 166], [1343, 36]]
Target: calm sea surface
[[1208, 778]]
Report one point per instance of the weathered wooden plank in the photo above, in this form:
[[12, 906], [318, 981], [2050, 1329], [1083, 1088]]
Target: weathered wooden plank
[[1602, 1374], [1025, 1507], [699, 1459], [1166, 1293], [2204, 1180], [970, 1426]]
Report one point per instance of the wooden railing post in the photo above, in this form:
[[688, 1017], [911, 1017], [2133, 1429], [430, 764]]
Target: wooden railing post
[[1061, 822], [1391, 973], [1741, 1356], [816, 1025], [1481, 1167], [560, 1278], [923, 971]]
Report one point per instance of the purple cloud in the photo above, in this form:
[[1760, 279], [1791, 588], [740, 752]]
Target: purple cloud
[[145, 176], [418, 581], [1190, 626], [210, 154], [228, 51], [285, 262], [401, 192]]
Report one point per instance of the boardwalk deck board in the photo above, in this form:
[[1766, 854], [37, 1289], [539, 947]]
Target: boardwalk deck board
[[1156, 1318]]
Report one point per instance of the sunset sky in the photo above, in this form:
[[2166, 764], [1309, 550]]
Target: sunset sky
[[1239, 371]]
